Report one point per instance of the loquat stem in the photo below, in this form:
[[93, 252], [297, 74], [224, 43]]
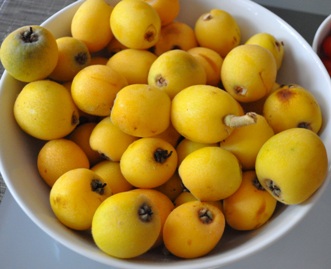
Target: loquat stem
[[238, 121]]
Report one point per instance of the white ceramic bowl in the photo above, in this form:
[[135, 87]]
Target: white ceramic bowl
[[323, 30], [18, 151]]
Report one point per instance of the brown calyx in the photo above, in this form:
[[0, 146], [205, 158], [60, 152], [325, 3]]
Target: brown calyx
[[161, 155], [29, 36], [145, 213], [205, 215], [98, 186]]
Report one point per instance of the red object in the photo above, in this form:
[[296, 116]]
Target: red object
[[326, 46], [327, 63]]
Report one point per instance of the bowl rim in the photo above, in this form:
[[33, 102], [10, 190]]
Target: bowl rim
[[322, 31], [206, 261]]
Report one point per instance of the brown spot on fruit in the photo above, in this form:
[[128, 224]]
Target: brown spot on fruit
[[285, 94]]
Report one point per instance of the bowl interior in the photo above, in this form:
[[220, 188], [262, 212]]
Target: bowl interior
[[18, 151]]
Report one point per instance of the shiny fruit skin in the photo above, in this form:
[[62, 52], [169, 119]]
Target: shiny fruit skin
[[135, 24], [109, 140], [211, 173], [81, 136], [172, 187], [175, 35], [73, 57], [94, 89], [250, 206], [126, 225], [45, 110], [29, 60], [175, 70], [245, 142], [269, 42], [218, 30], [59, 156], [193, 229], [211, 62], [186, 146], [168, 10], [111, 173], [184, 197], [292, 165], [133, 64], [292, 106], [90, 24], [170, 135], [148, 162], [249, 72], [198, 111], [141, 110], [164, 207], [76, 195]]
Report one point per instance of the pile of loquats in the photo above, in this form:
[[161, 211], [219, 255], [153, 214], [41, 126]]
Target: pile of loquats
[[158, 134]]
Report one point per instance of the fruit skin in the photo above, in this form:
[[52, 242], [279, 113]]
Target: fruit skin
[[211, 173], [188, 235], [81, 136], [250, 206], [90, 24], [32, 60], [246, 141], [292, 165], [184, 197], [74, 200], [269, 42], [109, 140], [133, 64], [175, 35], [292, 106], [170, 135], [211, 62], [168, 10], [172, 187], [148, 162], [186, 146], [73, 57], [117, 227], [249, 72], [164, 207], [45, 110], [198, 111], [111, 172], [57, 157], [175, 70], [218, 30], [135, 24], [94, 89], [141, 110]]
